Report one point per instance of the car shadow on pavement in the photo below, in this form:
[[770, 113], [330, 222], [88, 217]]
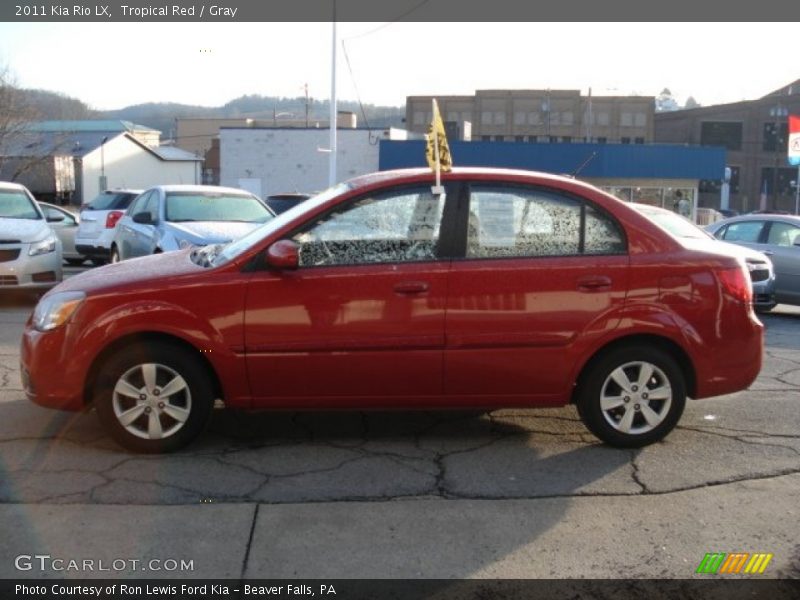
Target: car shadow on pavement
[[53, 457]]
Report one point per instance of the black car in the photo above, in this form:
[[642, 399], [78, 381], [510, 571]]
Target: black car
[[282, 202]]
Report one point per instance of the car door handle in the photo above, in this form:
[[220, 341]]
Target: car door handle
[[411, 287], [594, 282]]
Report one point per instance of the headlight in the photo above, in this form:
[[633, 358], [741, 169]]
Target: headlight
[[48, 244], [55, 310]]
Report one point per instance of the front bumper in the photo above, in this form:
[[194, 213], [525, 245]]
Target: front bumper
[[58, 382], [18, 270]]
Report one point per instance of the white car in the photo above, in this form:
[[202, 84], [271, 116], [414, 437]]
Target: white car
[[759, 266], [98, 220], [30, 251]]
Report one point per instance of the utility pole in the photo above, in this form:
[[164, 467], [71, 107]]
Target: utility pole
[[332, 162], [306, 88]]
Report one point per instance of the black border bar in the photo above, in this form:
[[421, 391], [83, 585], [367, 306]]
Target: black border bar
[[710, 587], [146, 11]]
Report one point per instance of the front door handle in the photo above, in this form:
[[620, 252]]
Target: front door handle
[[594, 283], [411, 287]]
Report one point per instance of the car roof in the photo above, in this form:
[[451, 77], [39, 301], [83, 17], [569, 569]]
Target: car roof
[[9, 185], [422, 174], [794, 219], [201, 188]]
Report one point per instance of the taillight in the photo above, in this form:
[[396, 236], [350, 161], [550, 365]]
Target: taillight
[[736, 283], [112, 218]]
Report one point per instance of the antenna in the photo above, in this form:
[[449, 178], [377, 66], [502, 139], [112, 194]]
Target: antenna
[[583, 164]]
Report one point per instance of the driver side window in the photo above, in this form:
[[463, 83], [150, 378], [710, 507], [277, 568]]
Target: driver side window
[[393, 227]]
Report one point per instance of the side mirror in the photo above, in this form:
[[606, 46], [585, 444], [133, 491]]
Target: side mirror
[[55, 218], [283, 254], [143, 218]]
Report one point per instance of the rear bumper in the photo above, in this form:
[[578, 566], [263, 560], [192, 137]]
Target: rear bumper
[[92, 251], [735, 360]]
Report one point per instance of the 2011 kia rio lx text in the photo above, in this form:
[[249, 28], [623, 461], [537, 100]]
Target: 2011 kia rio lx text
[[503, 289]]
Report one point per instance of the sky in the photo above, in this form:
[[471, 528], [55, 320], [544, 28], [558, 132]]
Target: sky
[[113, 65]]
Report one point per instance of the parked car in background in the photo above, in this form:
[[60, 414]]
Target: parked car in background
[[759, 266], [282, 202], [97, 222], [706, 216], [30, 251], [777, 236], [65, 224], [170, 217], [510, 289]]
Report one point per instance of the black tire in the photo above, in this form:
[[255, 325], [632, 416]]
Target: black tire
[[75, 262], [644, 414], [192, 397], [99, 262], [115, 257]]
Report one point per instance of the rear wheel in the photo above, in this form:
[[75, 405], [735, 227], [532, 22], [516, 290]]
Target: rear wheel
[[632, 396], [154, 397]]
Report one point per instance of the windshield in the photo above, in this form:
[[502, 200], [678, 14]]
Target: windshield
[[212, 206], [222, 254], [16, 205], [675, 224]]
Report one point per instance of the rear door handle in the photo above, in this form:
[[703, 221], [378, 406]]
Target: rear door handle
[[594, 283], [411, 287]]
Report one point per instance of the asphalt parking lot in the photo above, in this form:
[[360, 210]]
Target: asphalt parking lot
[[510, 494]]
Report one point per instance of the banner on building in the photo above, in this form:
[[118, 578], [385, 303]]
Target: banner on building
[[794, 140]]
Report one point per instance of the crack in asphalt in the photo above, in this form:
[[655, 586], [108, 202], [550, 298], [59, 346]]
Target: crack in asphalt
[[745, 439], [635, 472], [246, 559]]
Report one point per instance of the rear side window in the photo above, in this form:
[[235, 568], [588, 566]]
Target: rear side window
[[783, 234], [517, 222]]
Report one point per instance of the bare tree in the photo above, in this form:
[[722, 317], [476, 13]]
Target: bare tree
[[16, 116]]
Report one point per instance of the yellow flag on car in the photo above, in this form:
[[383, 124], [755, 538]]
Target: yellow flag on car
[[437, 152]]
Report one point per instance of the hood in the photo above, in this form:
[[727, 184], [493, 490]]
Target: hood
[[119, 275], [24, 230], [210, 232]]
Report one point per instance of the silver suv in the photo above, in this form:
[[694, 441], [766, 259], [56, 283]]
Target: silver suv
[[98, 219]]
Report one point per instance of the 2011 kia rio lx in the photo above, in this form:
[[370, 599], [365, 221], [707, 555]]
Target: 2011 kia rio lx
[[503, 289]]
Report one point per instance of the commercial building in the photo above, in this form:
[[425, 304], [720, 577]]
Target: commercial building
[[651, 174], [540, 116], [754, 132]]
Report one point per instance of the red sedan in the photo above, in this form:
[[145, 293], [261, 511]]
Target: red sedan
[[510, 288]]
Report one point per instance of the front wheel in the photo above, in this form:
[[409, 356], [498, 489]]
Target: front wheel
[[632, 396], [153, 397]]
